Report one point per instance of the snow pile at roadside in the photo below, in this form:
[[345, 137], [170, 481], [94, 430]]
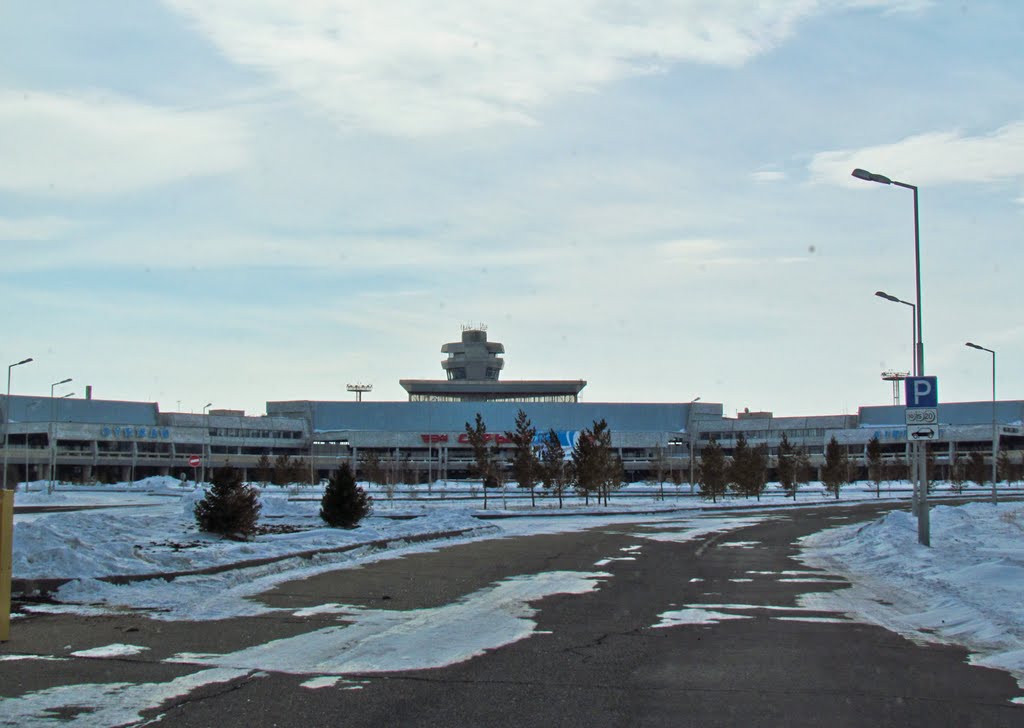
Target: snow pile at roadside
[[166, 539], [968, 588]]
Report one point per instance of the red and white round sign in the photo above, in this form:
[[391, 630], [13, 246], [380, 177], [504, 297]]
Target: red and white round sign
[[195, 461]]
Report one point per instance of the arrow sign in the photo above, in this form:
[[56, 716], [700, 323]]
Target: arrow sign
[[922, 432]]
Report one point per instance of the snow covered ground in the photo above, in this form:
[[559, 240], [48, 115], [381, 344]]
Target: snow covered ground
[[967, 588]]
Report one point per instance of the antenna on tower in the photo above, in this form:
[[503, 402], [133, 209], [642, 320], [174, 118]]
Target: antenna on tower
[[359, 389]]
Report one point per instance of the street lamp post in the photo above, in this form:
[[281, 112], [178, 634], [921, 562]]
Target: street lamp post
[[923, 530], [913, 324], [7, 415], [206, 432], [50, 430], [693, 440], [913, 355], [995, 432]]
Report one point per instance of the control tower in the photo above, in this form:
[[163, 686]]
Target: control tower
[[474, 357], [473, 367]]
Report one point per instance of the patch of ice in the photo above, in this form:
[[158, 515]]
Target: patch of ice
[[388, 641], [115, 650], [694, 615]]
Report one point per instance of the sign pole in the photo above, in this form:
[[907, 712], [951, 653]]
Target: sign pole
[[922, 397]]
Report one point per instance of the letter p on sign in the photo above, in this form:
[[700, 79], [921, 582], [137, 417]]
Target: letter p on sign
[[922, 391]]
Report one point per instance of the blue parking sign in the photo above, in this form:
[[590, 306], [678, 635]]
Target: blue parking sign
[[922, 391]]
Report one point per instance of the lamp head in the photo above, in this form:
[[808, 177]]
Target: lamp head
[[886, 296], [871, 176]]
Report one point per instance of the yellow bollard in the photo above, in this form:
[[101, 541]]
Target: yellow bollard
[[6, 542]]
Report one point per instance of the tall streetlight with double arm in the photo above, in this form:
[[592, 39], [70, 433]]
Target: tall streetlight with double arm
[[923, 529], [995, 433]]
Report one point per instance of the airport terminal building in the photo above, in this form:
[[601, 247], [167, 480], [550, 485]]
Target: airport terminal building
[[424, 438]]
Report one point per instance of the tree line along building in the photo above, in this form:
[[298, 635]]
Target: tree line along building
[[424, 438]]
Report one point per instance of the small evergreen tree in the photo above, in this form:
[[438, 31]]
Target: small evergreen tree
[[344, 503], [1004, 467], [264, 469], [875, 468], [299, 472], [595, 469], [229, 508], [758, 465], [660, 470], [957, 474], [897, 469], [282, 470], [476, 434], [525, 465], [803, 466], [738, 471], [553, 465], [834, 474], [712, 471], [786, 467], [976, 469]]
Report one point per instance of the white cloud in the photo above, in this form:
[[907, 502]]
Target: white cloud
[[768, 175], [694, 250], [934, 158], [32, 228], [414, 68], [95, 145]]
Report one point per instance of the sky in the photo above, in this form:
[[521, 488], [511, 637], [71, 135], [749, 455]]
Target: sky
[[234, 202]]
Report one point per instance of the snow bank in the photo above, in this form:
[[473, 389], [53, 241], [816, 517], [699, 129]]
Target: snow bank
[[968, 588]]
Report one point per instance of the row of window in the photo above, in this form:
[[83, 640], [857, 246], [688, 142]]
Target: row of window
[[492, 398], [764, 434], [256, 434]]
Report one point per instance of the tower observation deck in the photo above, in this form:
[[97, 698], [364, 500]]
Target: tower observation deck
[[473, 367]]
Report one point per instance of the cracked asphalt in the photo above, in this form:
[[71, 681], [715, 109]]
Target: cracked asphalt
[[596, 659]]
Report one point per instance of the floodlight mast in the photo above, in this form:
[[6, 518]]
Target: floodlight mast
[[359, 389]]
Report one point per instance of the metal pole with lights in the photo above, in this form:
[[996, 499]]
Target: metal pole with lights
[[923, 530], [206, 432], [693, 440], [913, 324], [50, 431], [913, 355], [6, 522], [995, 432], [7, 415]]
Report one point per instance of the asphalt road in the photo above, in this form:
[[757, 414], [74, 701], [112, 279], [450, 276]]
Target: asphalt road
[[596, 658]]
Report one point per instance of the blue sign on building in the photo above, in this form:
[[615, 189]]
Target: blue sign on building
[[922, 392]]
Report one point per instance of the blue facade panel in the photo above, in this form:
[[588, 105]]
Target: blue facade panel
[[498, 416], [90, 411]]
